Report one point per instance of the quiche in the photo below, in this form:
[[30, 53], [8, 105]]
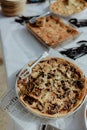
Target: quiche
[[68, 7], [55, 88], [52, 31]]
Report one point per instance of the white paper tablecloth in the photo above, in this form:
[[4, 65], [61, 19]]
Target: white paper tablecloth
[[19, 47]]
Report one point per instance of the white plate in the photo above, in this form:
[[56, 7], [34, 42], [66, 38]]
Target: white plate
[[52, 53], [85, 114]]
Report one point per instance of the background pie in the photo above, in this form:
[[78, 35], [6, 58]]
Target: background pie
[[68, 7]]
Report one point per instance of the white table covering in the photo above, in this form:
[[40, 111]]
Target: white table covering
[[18, 48]]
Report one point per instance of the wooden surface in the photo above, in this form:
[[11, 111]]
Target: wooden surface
[[3, 87]]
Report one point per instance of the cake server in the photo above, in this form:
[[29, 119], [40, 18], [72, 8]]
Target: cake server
[[29, 68], [33, 20]]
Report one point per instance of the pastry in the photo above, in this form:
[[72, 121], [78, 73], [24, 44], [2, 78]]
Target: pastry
[[52, 30], [55, 88], [68, 7]]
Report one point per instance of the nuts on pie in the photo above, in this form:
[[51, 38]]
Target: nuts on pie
[[68, 7], [52, 30], [55, 88]]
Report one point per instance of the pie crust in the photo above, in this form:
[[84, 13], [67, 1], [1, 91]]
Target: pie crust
[[52, 31], [55, 88], [68, 7]]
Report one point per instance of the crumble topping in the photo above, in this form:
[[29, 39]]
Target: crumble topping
[[52, 30], [56, 86], [68, 7]]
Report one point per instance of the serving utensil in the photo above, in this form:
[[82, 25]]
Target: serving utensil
[[29, 68], [33, 20]]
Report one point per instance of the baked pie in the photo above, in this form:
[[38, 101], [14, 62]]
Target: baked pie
[[55, 88], [52, 30], [68, 7]]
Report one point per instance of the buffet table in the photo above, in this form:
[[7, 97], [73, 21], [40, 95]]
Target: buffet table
[[19, 47]]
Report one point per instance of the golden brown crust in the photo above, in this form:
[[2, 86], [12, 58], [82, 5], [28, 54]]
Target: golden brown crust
[[68, 7], [53, 31], [57, 88]]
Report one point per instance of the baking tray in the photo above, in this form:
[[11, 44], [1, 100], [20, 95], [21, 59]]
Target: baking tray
[[57, 45]]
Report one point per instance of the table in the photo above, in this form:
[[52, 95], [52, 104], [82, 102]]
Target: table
[[16, 50]]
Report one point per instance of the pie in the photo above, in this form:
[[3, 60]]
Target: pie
[[68, 7], [52, 31], [55, 88]]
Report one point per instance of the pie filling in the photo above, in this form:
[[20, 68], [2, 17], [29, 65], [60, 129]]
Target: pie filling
[[55, 88], [52, 30], [68, 7]]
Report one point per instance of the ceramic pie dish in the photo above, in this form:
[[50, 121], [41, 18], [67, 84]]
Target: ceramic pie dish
[[57, 88]]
